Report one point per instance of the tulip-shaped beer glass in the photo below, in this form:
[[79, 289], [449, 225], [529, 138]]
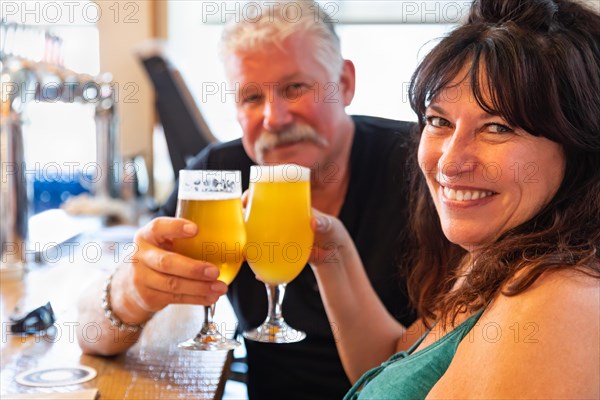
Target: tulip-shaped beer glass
[[280, 239], [212, 200]]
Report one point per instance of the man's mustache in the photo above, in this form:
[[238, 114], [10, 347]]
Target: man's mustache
[[296, 133]]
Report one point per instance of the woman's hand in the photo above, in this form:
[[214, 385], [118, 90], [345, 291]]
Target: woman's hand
[[332, 243]]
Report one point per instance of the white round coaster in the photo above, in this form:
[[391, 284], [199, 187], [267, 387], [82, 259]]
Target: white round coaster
[[56, 376]]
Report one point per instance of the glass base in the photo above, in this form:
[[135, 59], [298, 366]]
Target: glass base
[[275, 332], [221, 344], [209, 339]]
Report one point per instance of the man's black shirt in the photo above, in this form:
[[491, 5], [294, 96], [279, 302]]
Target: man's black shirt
[[376, 216]]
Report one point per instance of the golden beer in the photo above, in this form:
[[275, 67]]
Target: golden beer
[[221, 235], [212, 200], [280, 237]]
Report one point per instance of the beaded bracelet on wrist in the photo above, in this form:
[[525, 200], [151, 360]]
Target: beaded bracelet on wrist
[[109, 313]]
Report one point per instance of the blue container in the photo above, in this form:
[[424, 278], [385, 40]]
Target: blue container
[[51, 191]]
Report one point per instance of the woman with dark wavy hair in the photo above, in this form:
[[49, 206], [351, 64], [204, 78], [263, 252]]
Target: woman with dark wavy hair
[[506, 268]]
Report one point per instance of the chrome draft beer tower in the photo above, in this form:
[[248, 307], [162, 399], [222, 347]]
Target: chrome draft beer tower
[[25, 81]]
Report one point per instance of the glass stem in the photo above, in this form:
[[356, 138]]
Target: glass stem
[[275, 295], [209, 312]]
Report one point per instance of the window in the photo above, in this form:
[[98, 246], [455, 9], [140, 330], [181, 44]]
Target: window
[[384, 39]]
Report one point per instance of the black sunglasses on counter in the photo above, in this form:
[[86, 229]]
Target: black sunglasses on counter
[[35, 321]]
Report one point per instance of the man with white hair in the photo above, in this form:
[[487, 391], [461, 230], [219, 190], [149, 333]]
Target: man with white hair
[[292, 90]]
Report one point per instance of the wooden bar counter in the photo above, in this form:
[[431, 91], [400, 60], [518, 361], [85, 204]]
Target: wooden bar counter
[[154, 368]]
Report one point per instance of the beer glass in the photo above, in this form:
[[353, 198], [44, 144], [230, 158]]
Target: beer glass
[[212, 200], [279, 240]]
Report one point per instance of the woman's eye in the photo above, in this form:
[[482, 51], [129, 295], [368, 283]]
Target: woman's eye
[[498, 128], [437, 122]]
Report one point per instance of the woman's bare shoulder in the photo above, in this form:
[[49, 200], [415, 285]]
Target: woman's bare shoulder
[[541, 343]]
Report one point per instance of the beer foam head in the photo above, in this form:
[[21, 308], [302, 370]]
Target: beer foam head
[[279, 173], [209, 185]]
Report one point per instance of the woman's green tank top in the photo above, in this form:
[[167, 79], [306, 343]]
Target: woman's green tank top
[[411, 376]]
